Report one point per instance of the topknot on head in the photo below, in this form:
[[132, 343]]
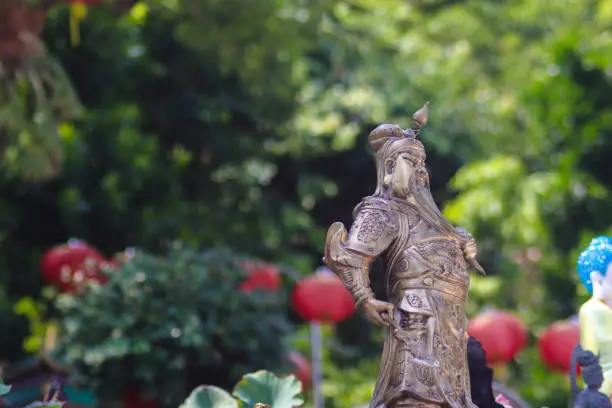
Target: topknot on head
[[378, 137], [595, 258], [586, 358], [420, 117]]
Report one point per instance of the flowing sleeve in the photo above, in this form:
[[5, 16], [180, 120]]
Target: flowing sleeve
[[350, 254]]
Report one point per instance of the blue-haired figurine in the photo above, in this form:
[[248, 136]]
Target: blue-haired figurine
[[595, 269]]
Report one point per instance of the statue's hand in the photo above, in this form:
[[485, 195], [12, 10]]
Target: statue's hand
[[378, 312]]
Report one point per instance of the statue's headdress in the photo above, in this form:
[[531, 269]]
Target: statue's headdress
[[595, 258], [388, 135], [388, 141]]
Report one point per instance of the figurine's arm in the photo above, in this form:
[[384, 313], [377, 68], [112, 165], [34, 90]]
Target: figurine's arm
[[350, 254]]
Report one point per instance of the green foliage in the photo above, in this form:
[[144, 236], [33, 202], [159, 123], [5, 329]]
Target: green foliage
[[170, 322], [260, 387], [36, 96], [242, 123], [4, 389], [45, 405], [206, 396], [264, 387], [34, 312]]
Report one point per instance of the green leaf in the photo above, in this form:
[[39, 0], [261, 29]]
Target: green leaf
[[266, 388], [4, 389], [54, 404], [206, 396]]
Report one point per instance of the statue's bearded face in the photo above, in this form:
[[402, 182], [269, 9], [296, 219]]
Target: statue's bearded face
[[399, 173]]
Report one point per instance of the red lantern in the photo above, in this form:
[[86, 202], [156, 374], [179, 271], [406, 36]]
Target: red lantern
[[322, 298], [301, 369], [518, 328], [132, 398], [557, 344], [264, 277], [501, 334], [66, 264]]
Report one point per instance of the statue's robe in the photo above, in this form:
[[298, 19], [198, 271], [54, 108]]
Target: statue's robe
[[596, 336]]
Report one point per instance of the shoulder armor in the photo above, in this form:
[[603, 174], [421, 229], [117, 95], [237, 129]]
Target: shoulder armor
[[372, 231]]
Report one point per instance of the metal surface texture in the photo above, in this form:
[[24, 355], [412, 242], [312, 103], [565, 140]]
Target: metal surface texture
[[424, 359]]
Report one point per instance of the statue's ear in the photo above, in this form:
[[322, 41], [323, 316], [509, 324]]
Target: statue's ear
[[389, 166]]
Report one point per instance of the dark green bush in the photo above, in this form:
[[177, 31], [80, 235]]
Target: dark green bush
[[169, 323]]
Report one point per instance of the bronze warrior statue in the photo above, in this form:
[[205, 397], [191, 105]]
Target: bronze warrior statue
[[424, 361]]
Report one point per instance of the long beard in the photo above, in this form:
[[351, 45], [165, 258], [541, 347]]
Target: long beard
[[401, 183], [429, 209]]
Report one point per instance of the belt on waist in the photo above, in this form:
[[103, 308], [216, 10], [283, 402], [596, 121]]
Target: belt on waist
[[431, 283]]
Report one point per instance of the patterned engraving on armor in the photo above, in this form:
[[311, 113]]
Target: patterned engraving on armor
[[452, 352], [392, 226], [425, 375], [348, 277], [414, 322], [431, 393], [402, 266], [396, 381], [415, 301], [404, 356], [404, 322], [437, 342], [372, 227], [440, 251]]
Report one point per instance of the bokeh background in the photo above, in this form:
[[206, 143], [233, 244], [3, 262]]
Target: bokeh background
[[205, 132]]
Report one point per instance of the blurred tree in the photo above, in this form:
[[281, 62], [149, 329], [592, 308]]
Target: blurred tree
[[35, 94], [244, 124]]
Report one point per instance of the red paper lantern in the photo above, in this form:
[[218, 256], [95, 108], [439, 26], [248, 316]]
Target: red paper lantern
[[501, 334], [557, 344], [74, 262], [264, 277], [301, 369], [322, 298], [518, 328]]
